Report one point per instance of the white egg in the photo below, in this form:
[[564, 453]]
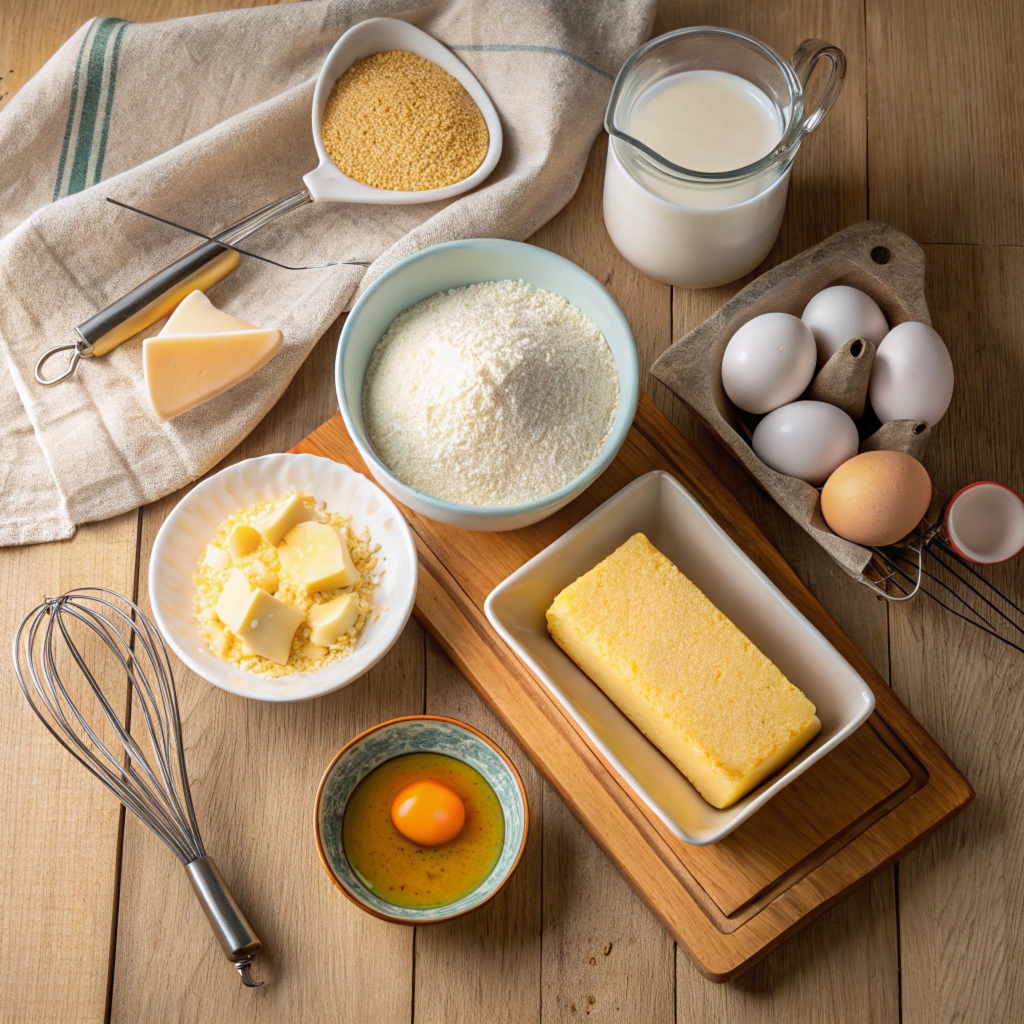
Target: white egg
[[837, 314], [768, 362], [912, 375], [808, 440]]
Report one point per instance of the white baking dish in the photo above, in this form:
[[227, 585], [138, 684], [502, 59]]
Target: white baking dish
[[659, 506]]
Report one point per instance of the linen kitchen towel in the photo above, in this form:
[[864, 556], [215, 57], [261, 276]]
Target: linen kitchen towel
[[204, 120]]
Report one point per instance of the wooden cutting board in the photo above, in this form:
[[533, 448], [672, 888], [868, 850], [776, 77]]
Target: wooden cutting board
[[848, 817]]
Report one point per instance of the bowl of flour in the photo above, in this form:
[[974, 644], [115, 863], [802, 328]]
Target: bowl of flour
[[487, 383]]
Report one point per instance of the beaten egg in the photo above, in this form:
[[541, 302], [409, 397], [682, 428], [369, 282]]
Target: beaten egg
[[400, 833]]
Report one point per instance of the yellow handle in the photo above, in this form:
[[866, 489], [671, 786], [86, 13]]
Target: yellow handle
[[205, 277]]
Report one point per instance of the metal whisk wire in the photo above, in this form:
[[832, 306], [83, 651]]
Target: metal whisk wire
[[163, 803], [155, 788], [928, 565]]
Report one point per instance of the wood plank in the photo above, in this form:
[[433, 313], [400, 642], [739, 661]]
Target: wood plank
[[962, 893], [619, 962], [254, 769], [605, 955], [841, 969], [58, 826], [449, 601], [945, 109], [485, 966]]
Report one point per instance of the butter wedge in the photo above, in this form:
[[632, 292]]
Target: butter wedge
[[200, 354], [692, 682], [316, 556], [332, 619], [265, 625], [282, 517]]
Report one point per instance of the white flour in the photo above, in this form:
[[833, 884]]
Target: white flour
[[493, 394]]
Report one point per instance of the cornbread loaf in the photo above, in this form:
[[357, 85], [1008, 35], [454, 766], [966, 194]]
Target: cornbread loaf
[[696, 687]]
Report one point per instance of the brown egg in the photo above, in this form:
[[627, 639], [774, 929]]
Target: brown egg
[[876, 498]]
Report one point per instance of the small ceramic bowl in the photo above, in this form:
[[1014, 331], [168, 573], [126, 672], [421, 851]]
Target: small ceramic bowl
[[193, 523], [984, 523], [411, 735], [454, 265]]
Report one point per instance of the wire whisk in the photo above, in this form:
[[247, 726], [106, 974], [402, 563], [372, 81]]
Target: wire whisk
[[929, 565], [153, 783]]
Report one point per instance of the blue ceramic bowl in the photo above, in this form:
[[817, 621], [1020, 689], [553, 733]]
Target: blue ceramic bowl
[[411, 736], [453, 265]]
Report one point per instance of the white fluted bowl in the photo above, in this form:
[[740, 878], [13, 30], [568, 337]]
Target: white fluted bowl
[[182, 540]]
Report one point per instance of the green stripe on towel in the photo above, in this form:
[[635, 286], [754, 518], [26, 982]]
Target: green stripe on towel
[[92, 98]]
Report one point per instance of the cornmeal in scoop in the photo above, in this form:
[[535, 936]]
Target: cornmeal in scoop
[[692, 682]]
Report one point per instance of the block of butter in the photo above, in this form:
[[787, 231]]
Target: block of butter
[[200, 353], [265, 625], [692, 682], [316, 556]]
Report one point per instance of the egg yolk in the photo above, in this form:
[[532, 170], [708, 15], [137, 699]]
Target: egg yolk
[[428, 813]]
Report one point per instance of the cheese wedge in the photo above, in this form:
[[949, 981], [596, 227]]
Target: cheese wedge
[[316, 556], [265, 625], [332, 619], [201, 353], [692, 682], [196, 314]]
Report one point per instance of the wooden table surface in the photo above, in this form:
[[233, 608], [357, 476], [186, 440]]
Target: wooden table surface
[[96, 918]]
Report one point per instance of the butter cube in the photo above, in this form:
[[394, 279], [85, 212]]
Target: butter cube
[[332, 619], [317, 557], [234, 600], [243, 540], [280, 519], [216, 557], [265, 625]]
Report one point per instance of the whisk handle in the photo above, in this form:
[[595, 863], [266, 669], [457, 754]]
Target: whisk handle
[[235, 933]]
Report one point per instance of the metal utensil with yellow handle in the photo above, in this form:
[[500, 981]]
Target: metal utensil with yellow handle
[[201, 268]]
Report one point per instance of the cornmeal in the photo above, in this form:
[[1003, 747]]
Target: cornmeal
[[696, 687]]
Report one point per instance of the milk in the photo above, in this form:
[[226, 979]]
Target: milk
[[687, 232], [706, 121]]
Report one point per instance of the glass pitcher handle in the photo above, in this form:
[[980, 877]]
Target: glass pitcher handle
[[805, 57]]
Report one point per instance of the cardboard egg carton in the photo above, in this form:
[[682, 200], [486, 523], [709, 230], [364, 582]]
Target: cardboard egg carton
[[877, 259]]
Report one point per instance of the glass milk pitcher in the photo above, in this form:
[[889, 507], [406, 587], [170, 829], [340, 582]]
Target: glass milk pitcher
[[707, 224]]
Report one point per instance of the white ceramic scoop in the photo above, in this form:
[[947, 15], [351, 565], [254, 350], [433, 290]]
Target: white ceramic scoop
[[216, 257]]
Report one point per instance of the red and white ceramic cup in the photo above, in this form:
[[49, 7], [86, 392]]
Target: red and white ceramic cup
[[984, 523]]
